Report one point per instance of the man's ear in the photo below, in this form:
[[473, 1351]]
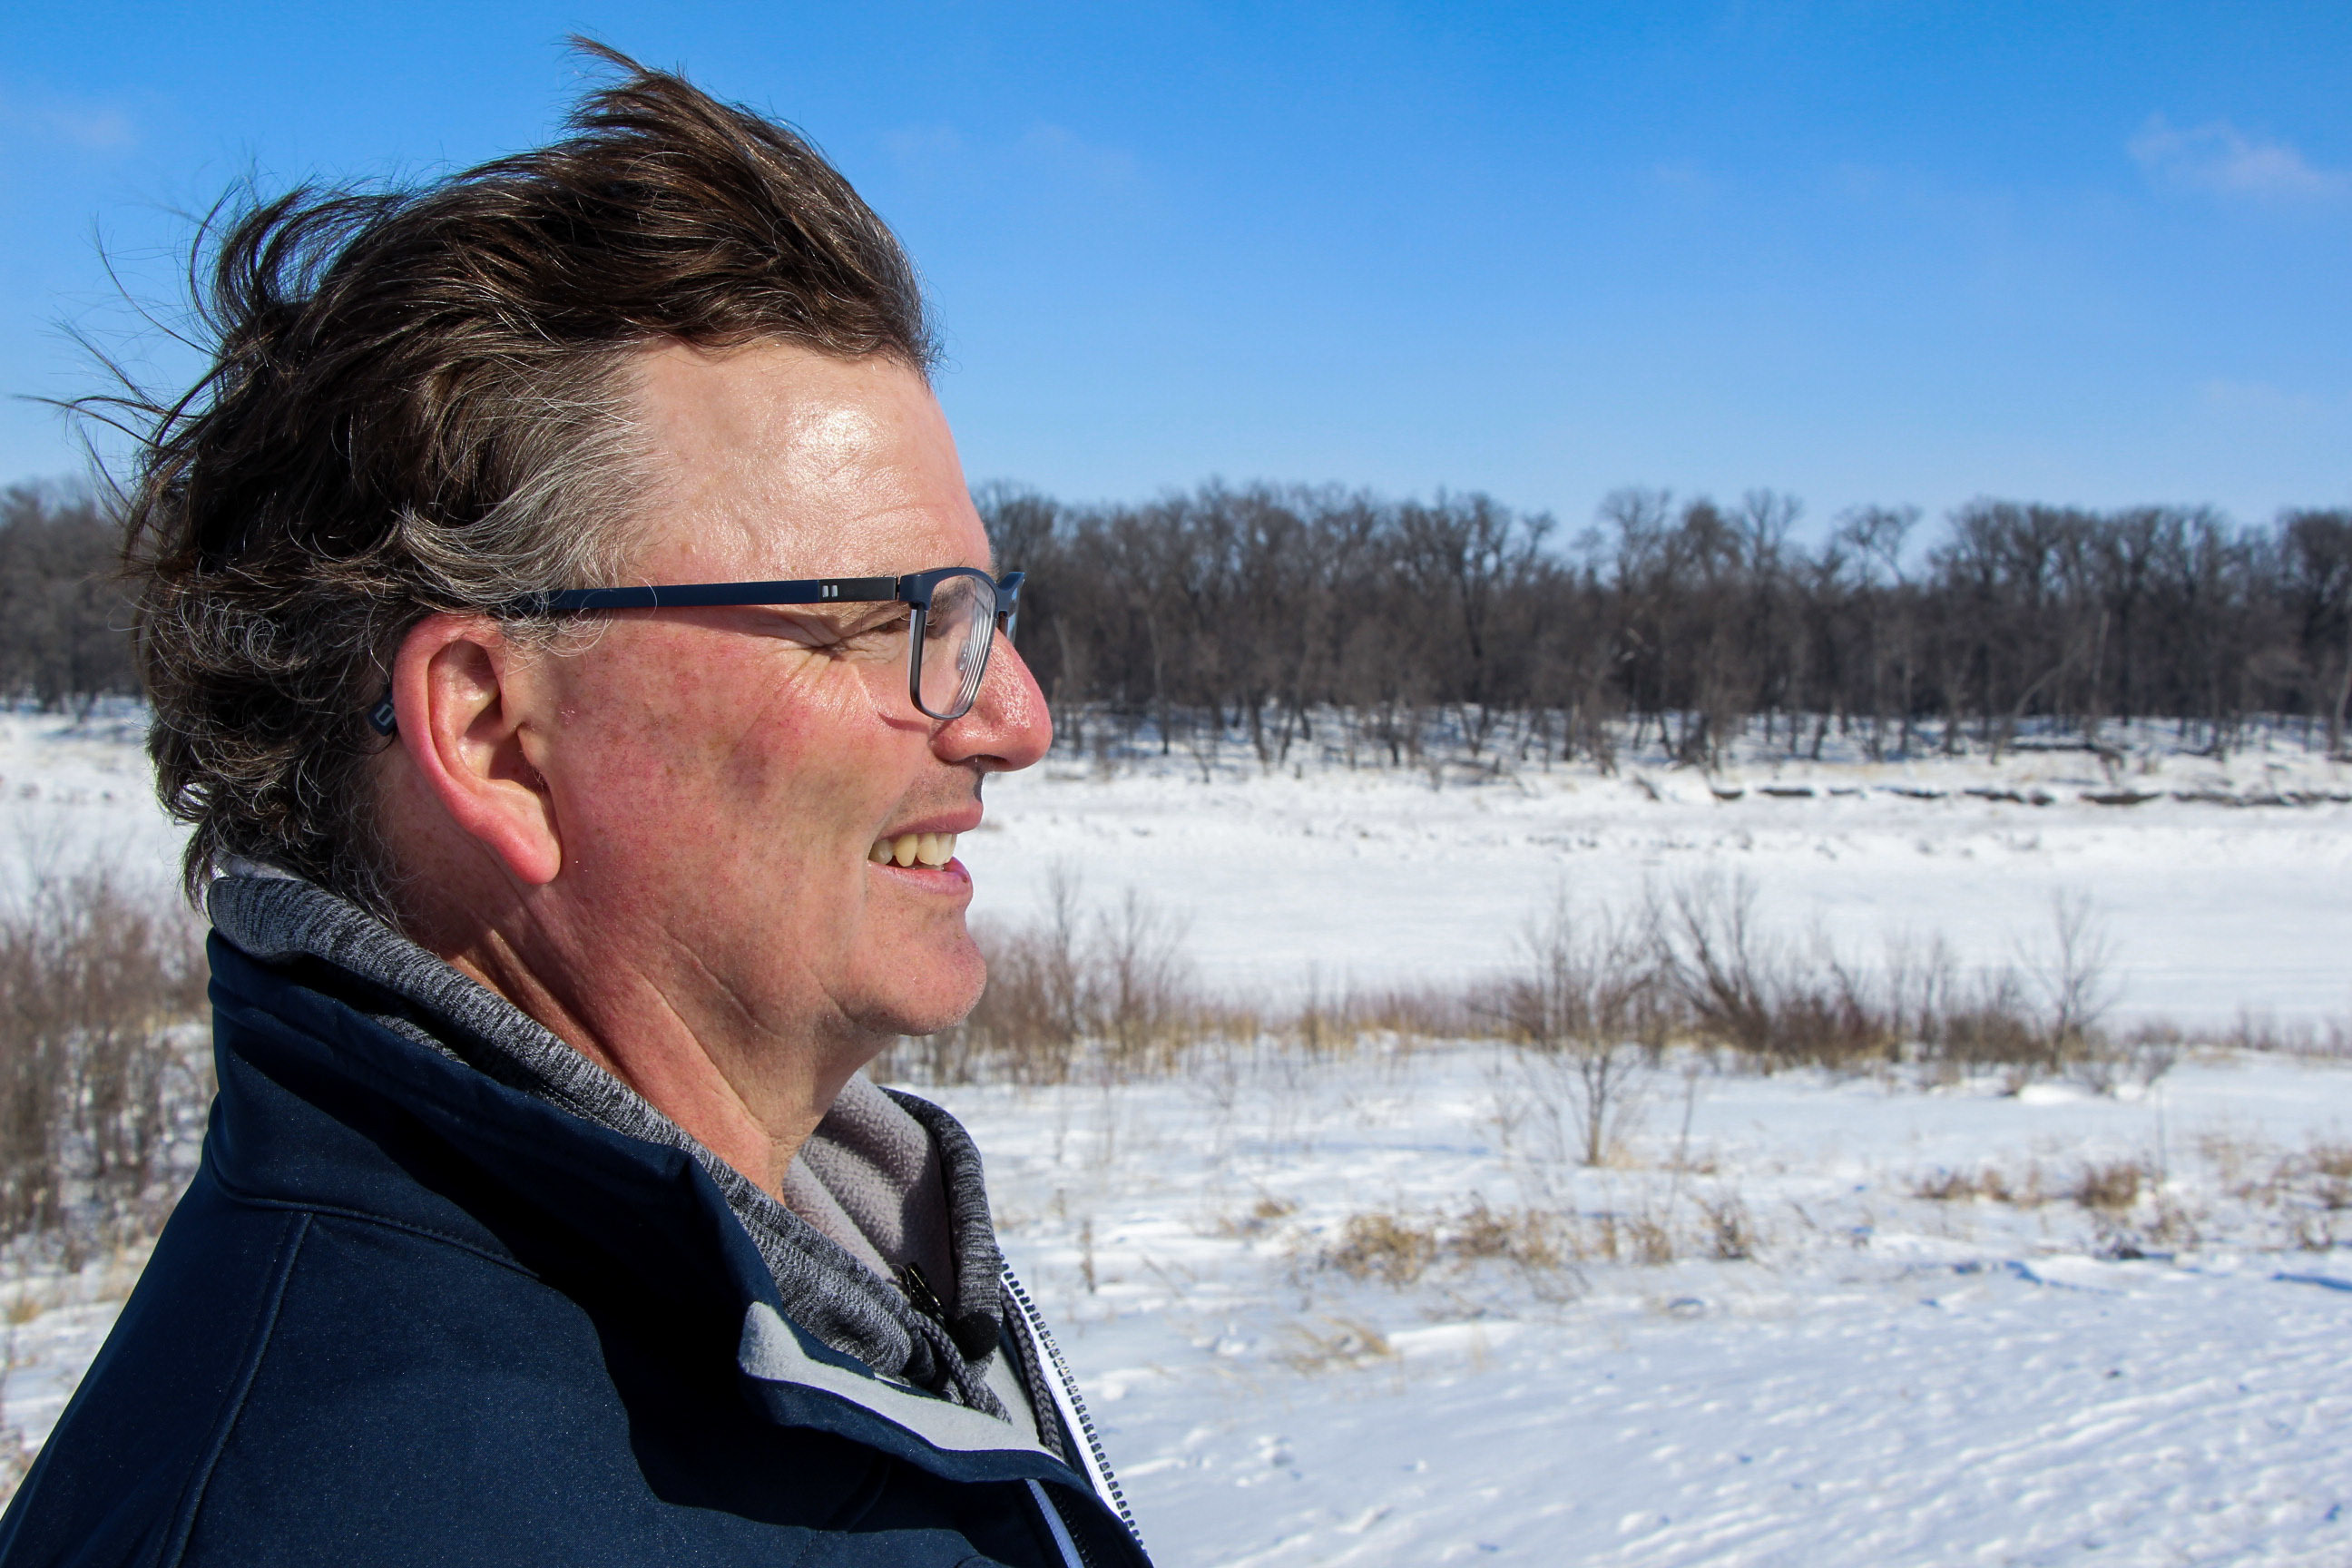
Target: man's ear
[[466, 699]]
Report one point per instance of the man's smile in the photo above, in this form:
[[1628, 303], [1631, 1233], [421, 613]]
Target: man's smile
[[932, 850]]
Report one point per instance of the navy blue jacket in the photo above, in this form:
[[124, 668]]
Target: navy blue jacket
[[406, 1315]]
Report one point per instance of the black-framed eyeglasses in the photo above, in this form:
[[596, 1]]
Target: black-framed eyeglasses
[[957, 612]]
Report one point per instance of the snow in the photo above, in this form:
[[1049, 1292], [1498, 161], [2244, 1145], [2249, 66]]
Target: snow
[[57, 1314], [1380, 877], [77, 798], [1891, 1380], [1885, 1378]]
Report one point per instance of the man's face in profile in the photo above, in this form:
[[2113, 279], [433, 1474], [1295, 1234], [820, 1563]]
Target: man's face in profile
[[727, 774]]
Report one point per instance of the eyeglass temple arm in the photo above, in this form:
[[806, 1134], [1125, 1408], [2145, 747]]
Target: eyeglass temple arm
[[708, 595], [713, 595]]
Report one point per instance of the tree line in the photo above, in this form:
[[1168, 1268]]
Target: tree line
[[1269, 610], [65, 614]]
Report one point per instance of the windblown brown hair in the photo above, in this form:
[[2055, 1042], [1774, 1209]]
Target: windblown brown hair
[[418, 402]]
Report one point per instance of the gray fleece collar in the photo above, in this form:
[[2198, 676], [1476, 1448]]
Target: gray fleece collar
[[887, 1179]]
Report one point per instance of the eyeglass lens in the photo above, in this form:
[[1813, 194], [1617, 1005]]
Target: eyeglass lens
[[958, 632]]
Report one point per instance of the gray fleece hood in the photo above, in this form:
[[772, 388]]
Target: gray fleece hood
[[886, 1183]]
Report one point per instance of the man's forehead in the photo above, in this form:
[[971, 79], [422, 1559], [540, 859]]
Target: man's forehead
[[773, 458]]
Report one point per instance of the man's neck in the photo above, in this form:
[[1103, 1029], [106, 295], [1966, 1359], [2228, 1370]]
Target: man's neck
[[749, 1096]]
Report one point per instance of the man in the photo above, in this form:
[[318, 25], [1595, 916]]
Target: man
[[543, 1216]]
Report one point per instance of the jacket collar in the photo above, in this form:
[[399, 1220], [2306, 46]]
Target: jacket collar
[[321, 1106], [884, 1180]]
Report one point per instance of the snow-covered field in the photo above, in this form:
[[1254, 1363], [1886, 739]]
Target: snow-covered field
[[1362, 1309], [81, 797], [1377, 878], [1886, 1379], [1331, 877]]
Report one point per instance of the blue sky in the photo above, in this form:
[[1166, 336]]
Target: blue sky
[[1860, 252]]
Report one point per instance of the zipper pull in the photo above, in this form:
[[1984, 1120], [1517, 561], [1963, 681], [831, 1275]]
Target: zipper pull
[[919, 1294]]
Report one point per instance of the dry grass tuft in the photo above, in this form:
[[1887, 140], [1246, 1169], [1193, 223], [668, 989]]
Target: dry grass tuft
[[1262, 1217], [1633, 1239], [1382, 1246], [1730, 1233], [2114, 1187], [1990, 1185], [1399, 1251], [1541, 1241], [2330, 1158], [1340, 1342], [1519, 1236], [2320, 1177]]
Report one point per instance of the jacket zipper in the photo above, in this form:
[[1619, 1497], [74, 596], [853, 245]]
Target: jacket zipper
[[1073, 1555], [1096, 1461]]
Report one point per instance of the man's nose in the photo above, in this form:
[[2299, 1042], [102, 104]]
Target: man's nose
[[1009, 726]]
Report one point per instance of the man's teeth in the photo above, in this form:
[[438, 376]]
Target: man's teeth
[[930, 848]]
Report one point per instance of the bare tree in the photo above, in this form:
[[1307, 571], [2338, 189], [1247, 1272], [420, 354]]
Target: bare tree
[[1585, 1012], [1415, 625], [2074, 975]]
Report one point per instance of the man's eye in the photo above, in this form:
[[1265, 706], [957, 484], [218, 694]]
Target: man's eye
[[824, 629], [871, 631]]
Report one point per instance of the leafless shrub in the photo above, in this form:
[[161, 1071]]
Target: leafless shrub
[[1326, 1021], [1597, 1001], [2170, 1226], [1587, 1010], [1992, 1028], [1773, 1007], [1741, 990], [1146, 999], [2229, 1151], [2072, 970], [2106, 1067], [1946, 1188], [1716, 962], [1400, 1251], [1113, 996], [2328, 1039], [93, 983]]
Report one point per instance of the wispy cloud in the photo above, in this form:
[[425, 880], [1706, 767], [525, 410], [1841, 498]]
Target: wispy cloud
[[924, 149], [91, 126], [2221, 160], [1088, 163]]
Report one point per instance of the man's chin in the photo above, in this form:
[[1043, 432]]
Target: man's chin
[[935, 993]]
